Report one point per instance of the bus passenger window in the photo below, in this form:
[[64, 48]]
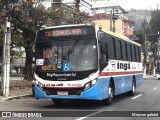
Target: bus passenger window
[[103, 52]]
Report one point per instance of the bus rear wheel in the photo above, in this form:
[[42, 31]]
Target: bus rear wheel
[[132, 92], [109, 100]]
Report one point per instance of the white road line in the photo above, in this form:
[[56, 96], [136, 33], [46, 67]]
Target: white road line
[[136, 96], [81, 118], [155, 88]]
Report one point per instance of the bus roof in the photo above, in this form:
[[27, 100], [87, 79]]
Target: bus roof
[[63, 26], [119, 36], [103, 29]]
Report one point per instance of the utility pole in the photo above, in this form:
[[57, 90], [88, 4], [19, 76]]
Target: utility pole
[[6, 59], [77, 2], [158, 45], [114, 16], [77, 5], [111, 20], [158, 35], [57, 5], [145, 39]]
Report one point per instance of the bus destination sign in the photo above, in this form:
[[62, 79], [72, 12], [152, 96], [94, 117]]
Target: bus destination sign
[[65, 32]]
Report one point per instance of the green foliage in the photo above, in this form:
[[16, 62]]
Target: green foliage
[[155, 21], [2, 3], [138, 16], [144, 26], [29, 17]]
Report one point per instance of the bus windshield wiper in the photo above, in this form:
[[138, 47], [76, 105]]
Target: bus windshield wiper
[[73, 46]]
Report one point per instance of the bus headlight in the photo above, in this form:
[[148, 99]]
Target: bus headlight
[[90, 84], [40, 85], [93, 82], [87, 86]]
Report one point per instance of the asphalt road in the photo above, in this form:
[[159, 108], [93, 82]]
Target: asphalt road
[[146, 99]]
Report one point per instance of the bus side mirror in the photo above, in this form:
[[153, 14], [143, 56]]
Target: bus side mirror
[[33, 60]]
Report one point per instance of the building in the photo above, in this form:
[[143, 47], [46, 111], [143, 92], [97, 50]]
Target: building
[[104, 20], [128, 27], [111, 15]]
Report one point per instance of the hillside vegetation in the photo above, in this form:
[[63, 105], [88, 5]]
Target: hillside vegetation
[[138, 16]]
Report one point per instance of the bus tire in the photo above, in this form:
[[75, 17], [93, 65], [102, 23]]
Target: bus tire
[[57, 101], [132, 92], [109, 100], [33, 90]]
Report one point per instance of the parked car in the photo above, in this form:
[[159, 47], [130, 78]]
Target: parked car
[[13, 70]]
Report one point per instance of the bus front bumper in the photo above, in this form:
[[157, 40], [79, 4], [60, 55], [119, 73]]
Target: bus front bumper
[[93, 93]]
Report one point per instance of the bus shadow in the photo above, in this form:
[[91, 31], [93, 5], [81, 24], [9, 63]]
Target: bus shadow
[[123, 97], [75, 104], [87, 104]]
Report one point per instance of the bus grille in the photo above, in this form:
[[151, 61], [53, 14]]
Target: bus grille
[[70, 92]]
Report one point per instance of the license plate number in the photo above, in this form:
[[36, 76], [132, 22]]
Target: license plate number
[[62, 93]]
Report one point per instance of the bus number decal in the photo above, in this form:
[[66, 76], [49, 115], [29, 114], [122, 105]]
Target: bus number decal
[[47, 68]]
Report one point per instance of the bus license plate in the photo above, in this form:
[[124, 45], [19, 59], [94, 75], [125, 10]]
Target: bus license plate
[[62, 93]]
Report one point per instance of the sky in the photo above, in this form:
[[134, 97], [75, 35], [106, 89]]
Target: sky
[[141, 4], [135, 4]]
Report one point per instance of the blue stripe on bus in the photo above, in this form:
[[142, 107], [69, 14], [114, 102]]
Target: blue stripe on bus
[[124, 83], [98, 91]]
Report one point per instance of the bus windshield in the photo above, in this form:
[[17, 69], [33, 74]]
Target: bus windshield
[[67, 55]]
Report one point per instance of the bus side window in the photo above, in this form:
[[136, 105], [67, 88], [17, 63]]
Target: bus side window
[[103, 52], [129, 52], [139, 54]]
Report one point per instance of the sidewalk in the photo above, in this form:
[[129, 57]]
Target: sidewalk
[[18, 89], [148, 77]]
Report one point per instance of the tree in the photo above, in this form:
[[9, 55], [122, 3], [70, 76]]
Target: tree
[[29, 17], [155, 20], [2, 3], [155, 28], [140, 30]]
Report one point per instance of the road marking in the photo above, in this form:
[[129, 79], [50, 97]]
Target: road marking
[[81, 118], [155, 88], [136, 96]]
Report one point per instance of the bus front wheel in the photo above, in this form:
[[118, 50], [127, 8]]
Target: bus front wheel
[[109, 100], [33, 90], [57, 102]]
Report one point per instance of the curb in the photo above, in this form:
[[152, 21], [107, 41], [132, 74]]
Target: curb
[[15, 97]]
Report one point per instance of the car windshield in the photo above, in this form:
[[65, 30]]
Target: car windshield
[[67, 55]]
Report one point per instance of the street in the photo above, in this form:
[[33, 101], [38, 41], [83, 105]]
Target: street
[[147, 98]]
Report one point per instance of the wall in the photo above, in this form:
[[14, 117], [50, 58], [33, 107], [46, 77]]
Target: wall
[[128, 28], [106, 24]]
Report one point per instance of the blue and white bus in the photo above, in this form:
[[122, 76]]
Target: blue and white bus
[[157, 69], [85, 62]]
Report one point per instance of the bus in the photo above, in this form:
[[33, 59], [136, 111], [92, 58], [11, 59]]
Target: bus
[[85, 62], [157, 69]]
